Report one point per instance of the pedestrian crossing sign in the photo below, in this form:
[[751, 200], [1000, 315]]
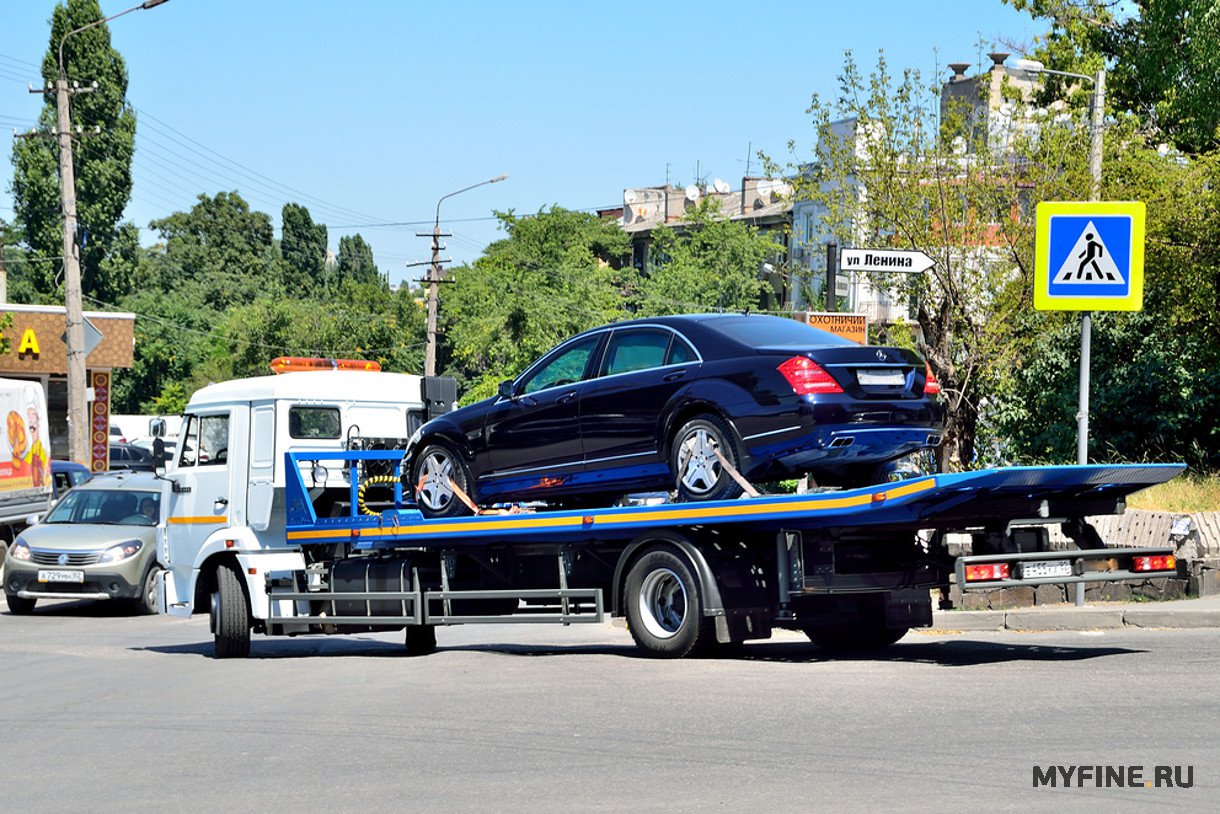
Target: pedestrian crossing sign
[[1089, 256]]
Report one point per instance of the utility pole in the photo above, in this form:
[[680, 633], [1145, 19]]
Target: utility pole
[[78, 438], [434, 274]]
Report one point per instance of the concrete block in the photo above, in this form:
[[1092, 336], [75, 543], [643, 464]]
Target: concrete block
[[968, 620], [1172, 616], [1064, 619]]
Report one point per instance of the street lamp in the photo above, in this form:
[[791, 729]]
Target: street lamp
[[434, 275], [1096, 126], [78, 446]]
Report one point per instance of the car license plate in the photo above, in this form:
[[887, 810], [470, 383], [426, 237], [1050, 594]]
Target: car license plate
[[886, 378], [61, 576], [1047, 568]]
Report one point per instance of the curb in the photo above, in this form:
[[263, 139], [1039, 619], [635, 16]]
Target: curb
[[1071, 618]]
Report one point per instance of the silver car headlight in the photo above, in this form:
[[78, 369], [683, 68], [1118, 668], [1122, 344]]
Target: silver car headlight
[[19, 550], [122, 551]]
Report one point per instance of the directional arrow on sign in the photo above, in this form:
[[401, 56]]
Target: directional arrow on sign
[[93, 337], [884, 260]]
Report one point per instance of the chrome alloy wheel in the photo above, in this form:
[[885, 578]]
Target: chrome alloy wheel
[[436, 490], [697, 462], [662, 603]]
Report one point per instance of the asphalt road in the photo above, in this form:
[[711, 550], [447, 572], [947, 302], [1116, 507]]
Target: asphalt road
[[111, 712]]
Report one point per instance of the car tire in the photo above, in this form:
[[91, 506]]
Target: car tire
[[230, 615], [855, 637], [664, 606], [698, 474], [146, 603], [421, 640], [432, 470], [20, 605]]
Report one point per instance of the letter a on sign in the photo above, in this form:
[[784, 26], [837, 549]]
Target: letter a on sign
[[1089, 256]]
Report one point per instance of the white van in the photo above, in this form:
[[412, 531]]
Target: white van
[[225, 481]]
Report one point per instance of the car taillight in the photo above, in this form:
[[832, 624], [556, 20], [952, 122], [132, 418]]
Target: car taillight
[[1163, 563], [987, 573], [808, 377], [931, 387]]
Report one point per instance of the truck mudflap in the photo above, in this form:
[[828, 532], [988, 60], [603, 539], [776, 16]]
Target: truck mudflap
[[984, 571]]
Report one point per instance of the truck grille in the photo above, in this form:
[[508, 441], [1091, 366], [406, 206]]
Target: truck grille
[[44, 557]]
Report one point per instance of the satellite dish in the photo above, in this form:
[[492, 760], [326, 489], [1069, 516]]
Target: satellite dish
[[692, 193], [721, 186], [629, 196]]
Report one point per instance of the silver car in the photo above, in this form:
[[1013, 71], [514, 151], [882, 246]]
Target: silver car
[[98, 542]]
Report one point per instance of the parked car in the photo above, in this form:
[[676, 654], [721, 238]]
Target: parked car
[[129, 456], [97, 542], [66, 474], [648, 404]]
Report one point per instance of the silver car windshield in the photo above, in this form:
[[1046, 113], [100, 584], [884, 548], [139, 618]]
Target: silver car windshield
[[107, 507]]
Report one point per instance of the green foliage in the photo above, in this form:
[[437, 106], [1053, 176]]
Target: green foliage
[[101, 161], [1166, 65], [303, 247], [356, 261], [556, 273], [707, 262]]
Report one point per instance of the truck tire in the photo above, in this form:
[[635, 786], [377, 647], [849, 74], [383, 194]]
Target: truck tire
[[435, 466], [854, 637], [20, 605], [230, 615], [421, 640], [698, 474], [664, 606]]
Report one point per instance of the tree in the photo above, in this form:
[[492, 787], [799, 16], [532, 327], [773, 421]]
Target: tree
[[707, 262], [356, 261], [221, 249], [1166, 65], [303, 246], [101, 161], [897, 171], [556, 273]]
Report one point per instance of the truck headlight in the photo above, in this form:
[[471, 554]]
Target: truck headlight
[[122, 551], [19, 550]]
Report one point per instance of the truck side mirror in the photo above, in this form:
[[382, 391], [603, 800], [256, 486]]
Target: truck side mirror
[[156, 427], [506, 389]]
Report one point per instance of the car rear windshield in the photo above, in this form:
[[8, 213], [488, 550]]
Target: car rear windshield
[[774, 332]]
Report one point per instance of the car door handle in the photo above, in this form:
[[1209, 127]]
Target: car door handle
[[673, 377], [565, 398]]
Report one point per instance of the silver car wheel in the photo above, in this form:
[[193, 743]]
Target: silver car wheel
[[436, 489], [662, 603], [697, 461]]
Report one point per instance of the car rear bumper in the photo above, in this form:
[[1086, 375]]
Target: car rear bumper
[[837, 446]]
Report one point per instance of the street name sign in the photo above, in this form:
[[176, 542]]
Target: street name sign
[[1089, 256], [884, 260]]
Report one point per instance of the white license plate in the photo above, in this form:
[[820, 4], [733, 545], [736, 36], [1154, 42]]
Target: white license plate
[[887, 378], [61, 576], [1047, 568]]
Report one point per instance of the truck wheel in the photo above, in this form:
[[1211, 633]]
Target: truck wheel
[[230, 615], [854, 637], [433, 469], [421, 640], [664, 606], [146, 602], [19, 605], [698, 473]]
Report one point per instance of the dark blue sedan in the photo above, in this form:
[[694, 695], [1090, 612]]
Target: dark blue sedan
[[658, 403]]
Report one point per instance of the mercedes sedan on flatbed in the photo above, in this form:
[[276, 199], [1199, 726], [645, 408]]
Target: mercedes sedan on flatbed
[[662, 403]]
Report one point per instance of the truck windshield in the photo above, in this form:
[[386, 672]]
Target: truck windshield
[[109, 507]]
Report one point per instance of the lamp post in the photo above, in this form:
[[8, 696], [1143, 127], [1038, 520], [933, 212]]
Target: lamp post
[[78, 426], [1096, 127], [434, 275]]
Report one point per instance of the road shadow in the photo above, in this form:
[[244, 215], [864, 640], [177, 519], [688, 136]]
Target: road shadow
[[80, 608], [957, 653]]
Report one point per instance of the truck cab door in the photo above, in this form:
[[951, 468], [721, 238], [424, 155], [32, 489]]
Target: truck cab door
[[201, 493]]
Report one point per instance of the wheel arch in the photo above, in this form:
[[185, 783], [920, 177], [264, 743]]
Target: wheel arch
[[709, 588], [205, 582]]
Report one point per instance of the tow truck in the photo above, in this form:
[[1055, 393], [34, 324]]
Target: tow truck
[[314, 530]]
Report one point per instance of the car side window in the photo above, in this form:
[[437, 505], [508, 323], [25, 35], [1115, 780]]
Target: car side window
[[566, 368], [680, 352], [633, 350]]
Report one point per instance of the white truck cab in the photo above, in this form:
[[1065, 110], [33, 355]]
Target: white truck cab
[[224, 486]]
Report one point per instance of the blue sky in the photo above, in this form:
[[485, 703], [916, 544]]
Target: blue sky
[[368, 111]]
